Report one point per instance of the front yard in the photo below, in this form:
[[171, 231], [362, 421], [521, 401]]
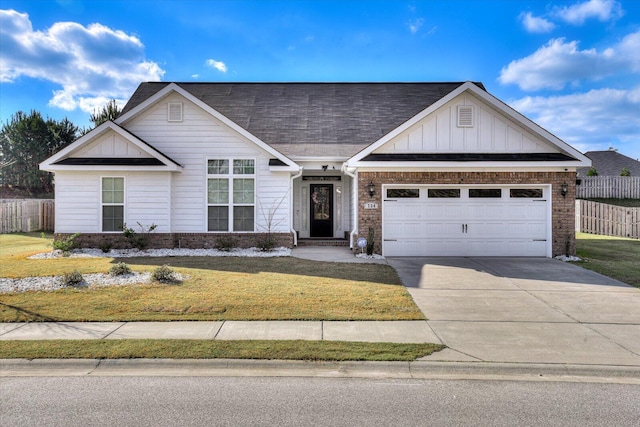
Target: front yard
[[616, 257], [229, 288]]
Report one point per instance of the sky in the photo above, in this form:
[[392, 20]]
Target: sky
[[572, 66]]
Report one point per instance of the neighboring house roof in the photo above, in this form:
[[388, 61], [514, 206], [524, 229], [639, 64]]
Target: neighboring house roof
[[312, 119], [610, 163]]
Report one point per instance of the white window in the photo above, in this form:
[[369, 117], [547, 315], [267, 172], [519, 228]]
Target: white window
[[231, 195], [112, 203]]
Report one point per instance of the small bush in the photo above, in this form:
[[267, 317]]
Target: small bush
[[120, 269], [266, 244], [71, 279], [225, 243], [165, 274], [66, 245], [105, 247], [139, 240]]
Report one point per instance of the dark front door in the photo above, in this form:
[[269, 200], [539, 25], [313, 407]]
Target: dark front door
[[321, 210]]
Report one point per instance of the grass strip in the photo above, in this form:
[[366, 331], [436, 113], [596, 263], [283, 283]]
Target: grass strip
[[208, 349]]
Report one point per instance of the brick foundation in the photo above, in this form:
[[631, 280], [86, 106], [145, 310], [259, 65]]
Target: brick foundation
[[178, 240], [563, 208]]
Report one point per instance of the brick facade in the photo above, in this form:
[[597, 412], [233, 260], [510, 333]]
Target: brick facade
[[563, 208], [178, 240]]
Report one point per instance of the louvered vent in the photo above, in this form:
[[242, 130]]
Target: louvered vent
[[175, 112], [465, 116]]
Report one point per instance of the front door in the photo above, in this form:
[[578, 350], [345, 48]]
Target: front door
[[321, 210]]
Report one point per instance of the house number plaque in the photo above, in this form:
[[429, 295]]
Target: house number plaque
[[371, 205]]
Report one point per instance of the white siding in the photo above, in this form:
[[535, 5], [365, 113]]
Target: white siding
[[190, 143], [79, 205], [492, 133], [111, 145]]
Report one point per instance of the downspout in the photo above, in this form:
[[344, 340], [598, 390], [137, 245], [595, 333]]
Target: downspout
[[295, 235], [354, 193]]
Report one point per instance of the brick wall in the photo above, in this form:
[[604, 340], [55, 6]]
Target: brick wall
[[178, 240], [563, 208]]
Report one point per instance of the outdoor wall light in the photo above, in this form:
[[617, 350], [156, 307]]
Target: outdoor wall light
[[564, 189], [372, 189]]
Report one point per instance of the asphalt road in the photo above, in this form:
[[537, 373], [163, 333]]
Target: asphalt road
[[210, 401]]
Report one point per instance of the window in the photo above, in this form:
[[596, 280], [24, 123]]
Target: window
[[403, 193], [231, 195], [112, 204], [485, 193], [443, 193], [526, 193]]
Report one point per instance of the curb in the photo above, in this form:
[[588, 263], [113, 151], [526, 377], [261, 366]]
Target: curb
[[311, 369]]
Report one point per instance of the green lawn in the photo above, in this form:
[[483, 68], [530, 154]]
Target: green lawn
[[208, 349], [229, 288], [615, 257]]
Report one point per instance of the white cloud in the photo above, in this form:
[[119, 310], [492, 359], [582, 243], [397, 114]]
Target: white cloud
[[415, 25], [218, 65], [535, 24], [596, 118], [603, 10], [558, 63], [92, 64]]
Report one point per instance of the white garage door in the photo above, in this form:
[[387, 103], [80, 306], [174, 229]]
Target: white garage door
[[466, 221]]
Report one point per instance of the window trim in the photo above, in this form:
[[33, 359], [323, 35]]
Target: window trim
[[230, 176], [123, 204]]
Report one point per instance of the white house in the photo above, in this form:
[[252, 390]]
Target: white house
[[430, 168]]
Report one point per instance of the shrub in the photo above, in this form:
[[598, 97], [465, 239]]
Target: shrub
[[71, 279], [120, 269], [266, 244], [225, 243], [370, 243], [164, 274], [66, 245], [592, 172], [625, 172], [105, 246], [139, 240]]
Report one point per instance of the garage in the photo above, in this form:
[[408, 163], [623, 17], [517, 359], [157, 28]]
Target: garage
[[423, 220]]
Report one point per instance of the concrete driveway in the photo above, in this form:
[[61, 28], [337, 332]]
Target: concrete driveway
[[524, 310]]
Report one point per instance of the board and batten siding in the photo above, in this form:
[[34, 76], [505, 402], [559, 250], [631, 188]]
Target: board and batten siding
[[78, 200], [112, 145], [491, 132], [198, 137]]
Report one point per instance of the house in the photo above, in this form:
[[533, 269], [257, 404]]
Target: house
[[430, 169], [610, 163]]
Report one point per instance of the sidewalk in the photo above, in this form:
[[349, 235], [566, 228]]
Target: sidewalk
[[367, 331]]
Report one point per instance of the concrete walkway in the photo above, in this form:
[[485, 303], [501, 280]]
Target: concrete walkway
[[368, 331], [524, 310]]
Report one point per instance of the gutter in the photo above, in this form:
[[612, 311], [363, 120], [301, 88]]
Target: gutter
[[295, 235], [354, 193]]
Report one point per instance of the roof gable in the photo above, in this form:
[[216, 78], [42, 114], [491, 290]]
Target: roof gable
[[498, 129], [109, 147], [139, 103]]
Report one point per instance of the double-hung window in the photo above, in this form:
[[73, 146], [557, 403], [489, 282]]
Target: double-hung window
[[112, 203], [230, 195]]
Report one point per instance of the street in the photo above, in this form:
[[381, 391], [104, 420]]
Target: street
[[238, 401]]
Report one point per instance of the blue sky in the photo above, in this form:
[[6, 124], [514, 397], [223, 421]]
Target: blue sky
[[572, 66]]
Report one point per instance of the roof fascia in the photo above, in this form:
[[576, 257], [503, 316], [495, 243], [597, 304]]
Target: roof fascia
[[582, 160], [49, 164], [173, 87]]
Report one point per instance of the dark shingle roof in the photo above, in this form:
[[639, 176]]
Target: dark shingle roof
[[312, 119], [610, 163]]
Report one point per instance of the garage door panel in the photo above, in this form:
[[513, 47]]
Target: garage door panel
[[466, 226]]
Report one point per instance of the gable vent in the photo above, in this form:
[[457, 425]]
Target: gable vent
[[465, 116], [175, 112]]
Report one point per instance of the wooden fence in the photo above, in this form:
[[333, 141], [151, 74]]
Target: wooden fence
[[20, 216], [609, 187], [610, 220]]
